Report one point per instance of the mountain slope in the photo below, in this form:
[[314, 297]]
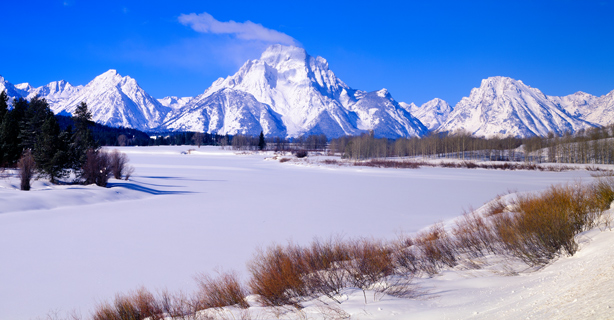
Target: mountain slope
[[299, 87], [116, 101], [309, 97], [174, 102], [508, 107], [597, 110], [12, 91], [227, 111], [55, 92], [379, 112], [433, 113]]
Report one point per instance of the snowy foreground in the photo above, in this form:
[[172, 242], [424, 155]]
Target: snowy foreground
[[66, 248]]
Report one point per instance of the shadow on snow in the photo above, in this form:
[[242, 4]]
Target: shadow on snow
[[136, 187]]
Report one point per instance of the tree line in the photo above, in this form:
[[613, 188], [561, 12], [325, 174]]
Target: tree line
[[303, 142], [593, 145], [31, 138]]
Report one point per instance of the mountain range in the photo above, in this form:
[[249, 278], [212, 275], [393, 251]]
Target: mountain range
[[288, 93]]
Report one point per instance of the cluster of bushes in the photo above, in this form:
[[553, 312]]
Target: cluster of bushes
[[101, 165], [32, 140], [533, 228], [415, 164], [214, 293]]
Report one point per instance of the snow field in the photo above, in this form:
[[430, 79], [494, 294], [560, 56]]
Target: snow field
[[181, 214]]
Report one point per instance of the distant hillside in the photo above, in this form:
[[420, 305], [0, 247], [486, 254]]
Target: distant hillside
[[109, 136]]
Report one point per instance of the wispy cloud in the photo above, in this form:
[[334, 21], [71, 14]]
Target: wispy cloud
[[206, 23]]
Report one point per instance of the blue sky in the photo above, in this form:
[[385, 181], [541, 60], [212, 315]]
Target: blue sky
[[418, 50]]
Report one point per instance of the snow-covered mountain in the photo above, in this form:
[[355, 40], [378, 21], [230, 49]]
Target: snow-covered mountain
[[55, 92], [174, 102], [227, 111], [113, 100], [597, 110], [116, 101], [310, 99], [379, 112], [11, 90], [432, 113], [507, 107], [287, 92]]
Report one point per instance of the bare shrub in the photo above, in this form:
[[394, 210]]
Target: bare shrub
[[473, 236], [277, 276], [26, 167], [330, 161], [331, 312], [97, 168], [436, 249], [122, 140], [128, 173], [469, 164], [545, 224], [323, 263], [118, 162], [301, 153], [495, 207], [380, 163], [138, 305], [405, 258], [370, 262], [221, 291], [602, 193], [57, 315], [180, 306]]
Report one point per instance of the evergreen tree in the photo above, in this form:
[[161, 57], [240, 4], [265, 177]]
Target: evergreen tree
[[50, 150], [82, 139], [10, 130], [35, 115], [261, 142], [4, 108]]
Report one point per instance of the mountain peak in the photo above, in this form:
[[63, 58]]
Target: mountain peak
[[500, 82], [278, 54], [109, 76], [110, 72], [288, 51], [383, 93], [24, 86], [508, 107]]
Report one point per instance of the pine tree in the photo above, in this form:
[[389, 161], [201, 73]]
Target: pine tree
[[82, 139], [4, 108], [261, 142], [10, 130], [36, 113], [50, 150]]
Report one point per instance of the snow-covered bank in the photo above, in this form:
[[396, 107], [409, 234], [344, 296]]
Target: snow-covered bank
[[577, 287], [187, 213]]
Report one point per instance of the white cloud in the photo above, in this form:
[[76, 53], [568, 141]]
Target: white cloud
[[206, 23]]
